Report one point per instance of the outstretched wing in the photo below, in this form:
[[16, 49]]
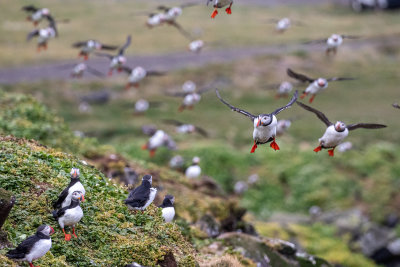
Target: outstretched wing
[[95, 72], [176, 94], [181, 30], [340, 79], [319, 41], [251, 116], [319, 114], [294, 98], [298, 76], [201, 131], [52, 23], [173, 122], [155, 73], [395, 105], [125, 46], [127, 69], [32, 34], [351, 36], [108, 47], [104, 55], [30, 8], [79, 44], [354, 126]]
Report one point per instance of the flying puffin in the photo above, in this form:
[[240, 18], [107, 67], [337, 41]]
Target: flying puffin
[[283, 89], [194, 170], [220, 4], [283, 24], [143, 195], [34, 246], [36, 14], [87, 47], [395, 105], [333, 42], [117, 61], [189, 98], [44, 35], [264, 124], [176, 162], [64, 199], [137, 74], [186, 128], [70, 215], [79, 69], [160, 138], [196, 46], [315, 85], [282, 126], [336, 133], [168, 210]]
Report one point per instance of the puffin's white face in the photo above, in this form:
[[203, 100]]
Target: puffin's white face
[[80, 68], [321, 82], [77, 195], [175, 12], [45, 229], [196, 160], [340, 126], [91, 44], [45, 11], [189, 87], [139, 72], [264, 120], [121, 60]]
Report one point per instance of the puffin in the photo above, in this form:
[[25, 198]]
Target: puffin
[[196, 46], [168, 210], [335, 133], [87, 47], [143, 195], [160, 138], [36, 14], [333, 42], [70, 215], [79, 69], [315, 85], [220, 4], [43, 35], [185, 128], [64, 199], [345, 146], [283, 24], [172, 13], [137, 74], [395, 105], [117, 61], [264, 124], [190, 98], [176, 162], [194, 170], [34, 246], [189, 87], [282, 126]]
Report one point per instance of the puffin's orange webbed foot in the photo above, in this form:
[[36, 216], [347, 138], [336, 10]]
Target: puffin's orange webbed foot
[[274, 145], [303, 95], [152, 153], [312, 99], [317, 149], [330, 152], [215, 13], [253, 149]]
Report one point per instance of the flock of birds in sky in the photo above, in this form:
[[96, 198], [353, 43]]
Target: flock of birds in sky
[[67, 210]]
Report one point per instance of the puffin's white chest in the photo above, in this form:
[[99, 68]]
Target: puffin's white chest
[[137, 75], [168, 213], [71, 217], [76, 187], [285, 88], [156, 140], [141, 105], [193, 171], [314, 88], [262, 134], [39, 249], [332, 138], [37, 16], [334, 43], [196, 45], [191, 99], [152, 195]]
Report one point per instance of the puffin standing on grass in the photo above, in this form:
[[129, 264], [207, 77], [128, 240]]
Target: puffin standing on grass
[[118, 60], [336, 133], [70, 215], [333, 42], [315, 85], [194, 170], [220, 4], [64, 199], [158, 139], [168, 210], [264, 124], [43, 35], [34, 246], [185, 128], [89, 46], [137, 74], [36, 14], [143, 195]]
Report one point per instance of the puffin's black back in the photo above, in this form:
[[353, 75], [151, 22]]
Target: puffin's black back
[[139, 196], [64, 194], [26, 246], [58, 213]]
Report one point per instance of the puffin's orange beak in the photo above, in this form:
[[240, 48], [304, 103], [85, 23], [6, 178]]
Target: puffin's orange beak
[[52, 230], [83, 198], [259, 122]]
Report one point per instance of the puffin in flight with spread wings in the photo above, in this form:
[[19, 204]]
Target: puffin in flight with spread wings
[[395, 105], [44, 35], [264, 124], [333, 42], [137, 74], [336, 133], [186, 128], [315, 85], [220, 4], [87, 47], [36, 14], [117, 61]]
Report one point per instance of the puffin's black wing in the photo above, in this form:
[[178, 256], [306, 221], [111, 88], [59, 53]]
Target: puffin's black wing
[[319, 41], [163, 8], [298, 76], [395, 105], [177, 94], [23, 248], [350, 36], [125, 46], [58, 213], [127, 69], [30, 8], [354, 126], [173, 122], [201, 131], [79, 44], [154, 73], [52, 23], [104, 55], [61, 198], [340, 79], [138, 197], [288, 105], [181, 30], [108, 47], [32, 34], [251, 116], [95, 72], [319, 114]]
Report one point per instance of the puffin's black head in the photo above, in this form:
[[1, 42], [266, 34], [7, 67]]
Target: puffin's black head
[[264, 120], [74, 173], [340, 126], [148, 178], [169, 198], [45, 229]]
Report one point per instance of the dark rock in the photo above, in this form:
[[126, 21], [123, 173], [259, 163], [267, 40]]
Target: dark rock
[[168, 261], [391, 220], [7, 201]]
